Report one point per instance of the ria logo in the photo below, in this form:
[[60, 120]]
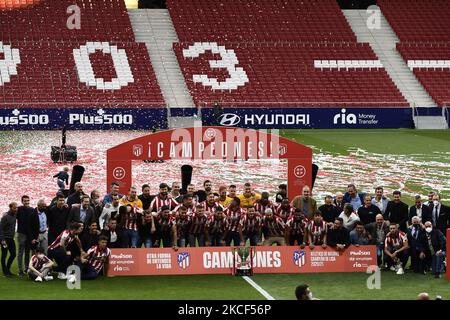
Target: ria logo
[[345, 118], [229, 119]]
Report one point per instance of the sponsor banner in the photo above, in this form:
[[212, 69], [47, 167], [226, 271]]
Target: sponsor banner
[[219, 260], [82, 118], [314, 118]]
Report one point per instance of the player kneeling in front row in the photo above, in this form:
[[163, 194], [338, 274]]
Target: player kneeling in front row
[[40, 266], [95, 261]]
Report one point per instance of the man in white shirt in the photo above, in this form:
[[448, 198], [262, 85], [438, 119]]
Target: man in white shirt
[[349, 217], [111, 210]]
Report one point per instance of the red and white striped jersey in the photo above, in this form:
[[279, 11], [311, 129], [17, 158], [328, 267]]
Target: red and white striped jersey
[[158, 202], [64, 239], [262, 209], [165, 224], [198, 224], [131, 219], [209, 210], [233, 218], [317, 232], [39, 263], [274, 227], [190, 209], [284, 213], [250, 225], [97, 257], [217, 225], [395, 241], [183, 226], [296, 227]]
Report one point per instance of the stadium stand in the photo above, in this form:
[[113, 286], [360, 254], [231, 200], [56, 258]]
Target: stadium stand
[[49, 64], [283, 41], [424, 31]]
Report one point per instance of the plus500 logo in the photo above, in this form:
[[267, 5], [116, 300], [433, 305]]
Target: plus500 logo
[[24, 119], [100, 119]]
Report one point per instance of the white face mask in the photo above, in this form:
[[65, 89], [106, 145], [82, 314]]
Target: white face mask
[[429, 229], [310, 296], [436, 202]]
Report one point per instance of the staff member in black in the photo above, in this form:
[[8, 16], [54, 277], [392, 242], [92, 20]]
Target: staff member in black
[[7, 231]]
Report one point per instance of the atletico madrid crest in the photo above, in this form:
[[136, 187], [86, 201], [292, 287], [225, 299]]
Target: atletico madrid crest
[[183, 259], [299, 258], [137, 150]]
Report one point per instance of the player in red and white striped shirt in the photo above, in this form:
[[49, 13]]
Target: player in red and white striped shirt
[[284, 210], [216, 226], [59, 250], [251, 226], [129, 218], [316, 231], [188, 203], [40, 266], [94, 261], [296, 225], [234, 214], [183, 223], [275, 229], [197, 231], [264, 203], [210, 204], [163, 199], [167, 230], [396, 249]]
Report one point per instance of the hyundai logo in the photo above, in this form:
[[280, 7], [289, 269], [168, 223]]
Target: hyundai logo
[[229, 119]]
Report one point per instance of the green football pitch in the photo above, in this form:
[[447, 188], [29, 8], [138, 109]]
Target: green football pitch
[[414, 161], [327, 286]]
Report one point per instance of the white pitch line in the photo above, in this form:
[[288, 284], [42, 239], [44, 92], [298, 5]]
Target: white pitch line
[[258, 288]]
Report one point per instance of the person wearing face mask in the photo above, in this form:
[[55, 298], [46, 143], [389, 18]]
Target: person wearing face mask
[[415, 235], [302, 292], [339, 201], [40, 266], [440, 214], [434, 249]]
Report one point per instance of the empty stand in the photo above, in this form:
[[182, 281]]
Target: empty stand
[[259, 20], [418, 20], [285, 75], [48, 64]]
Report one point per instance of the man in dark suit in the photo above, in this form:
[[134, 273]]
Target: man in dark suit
[[338, 236], [83, 214], [57, 218], [416, 234], [397, 211], [420, 210], [434, 249], [440, 214], [75, 198], [114, 234]]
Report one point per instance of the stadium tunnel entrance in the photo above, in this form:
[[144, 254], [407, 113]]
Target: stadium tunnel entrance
[[210, 143]]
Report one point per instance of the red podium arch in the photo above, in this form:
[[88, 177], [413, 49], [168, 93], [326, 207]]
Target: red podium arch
[[210, 143]]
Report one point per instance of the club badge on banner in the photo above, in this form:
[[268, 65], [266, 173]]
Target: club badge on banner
[[219, 260]]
